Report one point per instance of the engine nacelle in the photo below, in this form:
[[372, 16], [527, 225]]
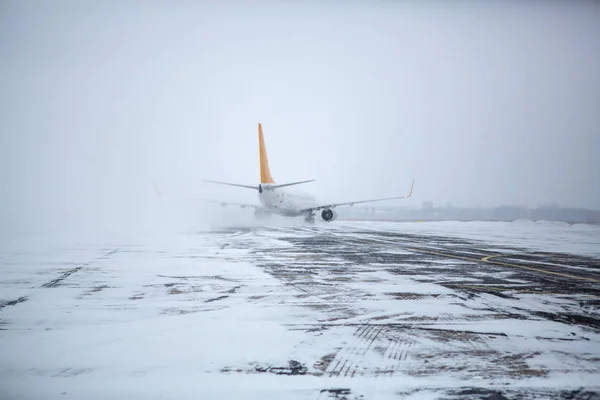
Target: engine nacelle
[[328, 215]]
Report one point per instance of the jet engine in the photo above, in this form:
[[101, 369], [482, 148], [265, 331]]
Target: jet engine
[[328, 215]]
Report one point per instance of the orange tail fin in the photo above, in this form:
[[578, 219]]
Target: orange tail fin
[[265, 173]]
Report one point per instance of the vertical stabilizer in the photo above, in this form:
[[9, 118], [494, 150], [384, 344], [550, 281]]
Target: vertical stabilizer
[[265, 173]]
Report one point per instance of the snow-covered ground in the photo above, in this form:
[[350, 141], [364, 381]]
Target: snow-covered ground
[[324, 311]]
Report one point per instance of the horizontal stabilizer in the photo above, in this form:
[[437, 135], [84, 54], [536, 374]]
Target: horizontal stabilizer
[[233, 184], [271, 187]]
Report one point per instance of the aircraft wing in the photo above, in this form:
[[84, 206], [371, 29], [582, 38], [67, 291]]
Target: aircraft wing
[[351, 203], [222, 203], [228, 203], [203, 200]]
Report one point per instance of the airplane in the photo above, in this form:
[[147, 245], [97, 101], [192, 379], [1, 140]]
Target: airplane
[[280, 199]]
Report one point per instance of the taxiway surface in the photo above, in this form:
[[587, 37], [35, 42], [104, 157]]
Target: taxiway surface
[[352, 310]]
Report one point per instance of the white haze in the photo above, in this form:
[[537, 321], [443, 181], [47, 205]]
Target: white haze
[[485, 103]]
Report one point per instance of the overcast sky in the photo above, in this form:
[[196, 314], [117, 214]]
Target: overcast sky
[[485, 103]]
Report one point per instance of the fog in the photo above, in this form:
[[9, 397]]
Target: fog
[[484, 104]]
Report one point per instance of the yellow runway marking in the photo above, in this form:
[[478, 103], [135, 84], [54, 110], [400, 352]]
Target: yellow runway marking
[[507, 289], [583, 278], [497, 288], [488, 261]]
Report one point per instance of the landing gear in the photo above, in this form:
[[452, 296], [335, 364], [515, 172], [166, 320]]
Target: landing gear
[[309, 218]]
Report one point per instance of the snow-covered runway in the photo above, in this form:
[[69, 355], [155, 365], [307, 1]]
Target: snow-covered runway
[[345, 310]]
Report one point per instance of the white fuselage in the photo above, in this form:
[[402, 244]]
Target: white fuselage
[[285, 201]]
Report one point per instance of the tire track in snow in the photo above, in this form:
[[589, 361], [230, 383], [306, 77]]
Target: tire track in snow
[[7, 303], [396, 356], [56, 282], [371, 337], [348, 360]]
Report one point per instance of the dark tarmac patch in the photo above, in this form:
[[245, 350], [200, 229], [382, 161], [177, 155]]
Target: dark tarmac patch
[[416, 296], [477, 393], [232, 290], [593, 303], [200, 277], [403, 326], [110, 253], [456, 263], [56, 282], [340, 394], [69, 372], [293, 368], [568, 260], [472, 289], [93, 290], [7, 303], [482, 393], [571, 319], [98, 289], [256, 297], [182, 311], [216, 298], [580, 394], [334, 273], [323, 363]]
